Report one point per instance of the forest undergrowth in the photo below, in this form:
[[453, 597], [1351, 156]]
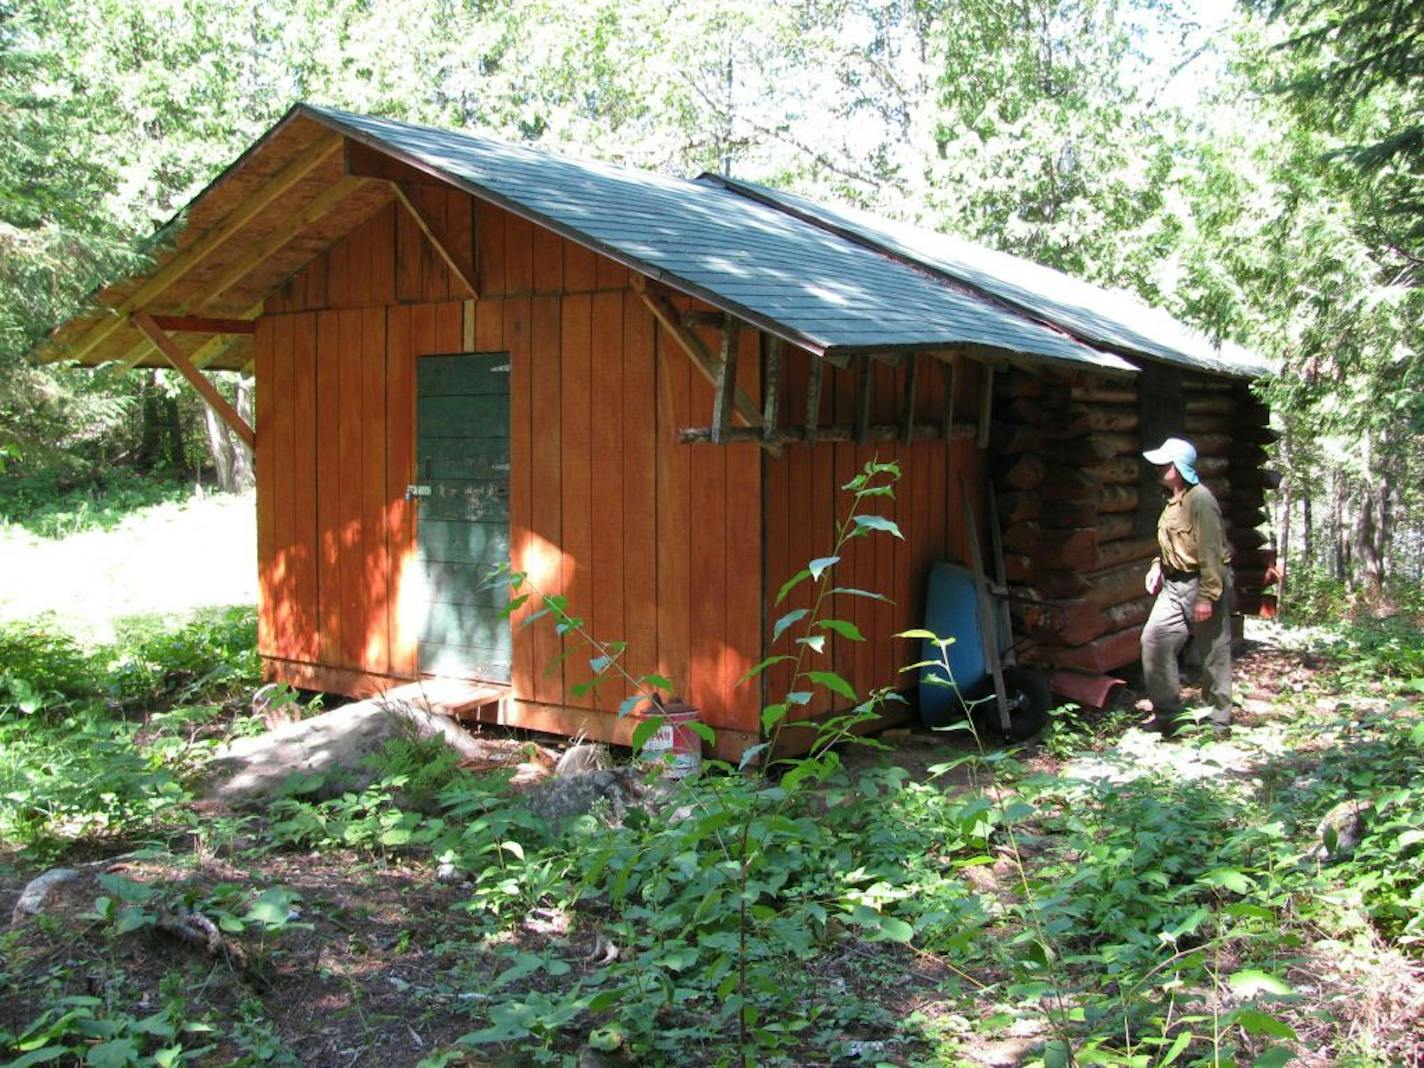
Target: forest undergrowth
[[1100, 897]]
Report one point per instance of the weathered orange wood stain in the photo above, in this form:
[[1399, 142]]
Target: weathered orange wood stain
[[677, 549]]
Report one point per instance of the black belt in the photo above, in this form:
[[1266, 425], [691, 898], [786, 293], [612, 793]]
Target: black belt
[[1179, 576]]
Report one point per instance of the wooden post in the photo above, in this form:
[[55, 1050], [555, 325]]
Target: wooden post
[[987, 630], [813, 401], [206, 389], [769, 414], [724, 393], [907, 415], [862, 415]]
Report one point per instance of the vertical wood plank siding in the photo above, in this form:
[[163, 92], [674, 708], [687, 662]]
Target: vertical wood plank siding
[[673, 548]]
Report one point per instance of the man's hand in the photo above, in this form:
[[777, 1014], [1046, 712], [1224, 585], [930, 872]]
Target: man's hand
[[1201, 611], [1154, 577]]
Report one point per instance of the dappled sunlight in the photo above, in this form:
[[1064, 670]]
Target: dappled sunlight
[[164, 561], [543, 562]]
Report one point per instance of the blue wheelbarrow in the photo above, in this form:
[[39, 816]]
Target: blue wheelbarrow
[[982, 671], [957, 606]]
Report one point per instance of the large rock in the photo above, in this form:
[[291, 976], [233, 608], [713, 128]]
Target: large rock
[[334, 745]]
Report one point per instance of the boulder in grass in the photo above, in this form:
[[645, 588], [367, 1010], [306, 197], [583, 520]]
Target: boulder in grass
[[333, 748]]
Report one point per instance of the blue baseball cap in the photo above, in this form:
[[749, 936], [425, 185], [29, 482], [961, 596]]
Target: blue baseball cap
[[1178, 452]]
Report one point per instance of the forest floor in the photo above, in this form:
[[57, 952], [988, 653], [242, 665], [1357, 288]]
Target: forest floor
[[343, 934]]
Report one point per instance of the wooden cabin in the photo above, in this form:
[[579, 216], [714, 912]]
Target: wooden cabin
[[644, 393]]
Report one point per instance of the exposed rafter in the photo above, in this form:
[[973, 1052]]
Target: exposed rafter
[[435, 242], [327, 199], [200, 249]]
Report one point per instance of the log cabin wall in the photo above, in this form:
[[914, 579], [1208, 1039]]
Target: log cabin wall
[[803, 502], [652, 541], [1073, 490]]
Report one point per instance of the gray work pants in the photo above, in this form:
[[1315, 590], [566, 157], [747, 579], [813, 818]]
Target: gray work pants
[[1167, 630]]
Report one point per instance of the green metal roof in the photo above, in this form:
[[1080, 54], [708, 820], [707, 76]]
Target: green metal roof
[[1090, 313], [802, 281]]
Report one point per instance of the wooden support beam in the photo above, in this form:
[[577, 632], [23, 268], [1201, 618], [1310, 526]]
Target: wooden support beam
[[202, 356], [274, 242], [770, 387], [693, 318], [202, 324], [724, 389], [813, 400], [862, 415], [310, 157], [907, 410], [950, 370], [666, 314], [206, 389], [435, 242], [986, 404], [702, 435]]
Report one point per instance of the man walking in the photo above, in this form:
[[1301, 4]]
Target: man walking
[[1192, 581]]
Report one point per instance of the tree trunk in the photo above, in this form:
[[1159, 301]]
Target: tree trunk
[[220, 450], [230, 459], [173, 431], [152, 418], [1337, 527], [1283, 524], [1372, 527]]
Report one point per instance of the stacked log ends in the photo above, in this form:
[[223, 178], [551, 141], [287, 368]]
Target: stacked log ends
[[1240, 486], [1070, 473], [1078, 590]]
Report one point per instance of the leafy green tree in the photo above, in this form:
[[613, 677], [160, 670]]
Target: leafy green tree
[[1356, 70]]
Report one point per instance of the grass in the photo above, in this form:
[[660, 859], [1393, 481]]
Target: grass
[[156, 564]]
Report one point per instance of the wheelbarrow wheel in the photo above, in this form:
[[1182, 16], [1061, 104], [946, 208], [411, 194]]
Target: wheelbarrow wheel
[[1029, 701]]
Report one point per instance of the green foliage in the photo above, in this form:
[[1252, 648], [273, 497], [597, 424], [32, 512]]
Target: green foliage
[[42, 670], [50, 506], [213, 653], [69, 766]]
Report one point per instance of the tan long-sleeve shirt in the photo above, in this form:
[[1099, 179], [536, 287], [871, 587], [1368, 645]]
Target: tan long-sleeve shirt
[[1191, 537]]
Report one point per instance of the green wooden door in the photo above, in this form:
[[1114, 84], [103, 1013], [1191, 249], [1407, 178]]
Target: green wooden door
[[462, 458]]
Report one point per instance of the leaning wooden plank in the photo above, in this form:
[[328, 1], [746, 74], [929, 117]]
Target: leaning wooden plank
[[206, 389], [195, 253], [435, 242]]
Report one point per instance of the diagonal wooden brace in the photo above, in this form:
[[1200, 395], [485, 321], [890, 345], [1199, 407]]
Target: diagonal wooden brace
[[671, 320], [215, 400]]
